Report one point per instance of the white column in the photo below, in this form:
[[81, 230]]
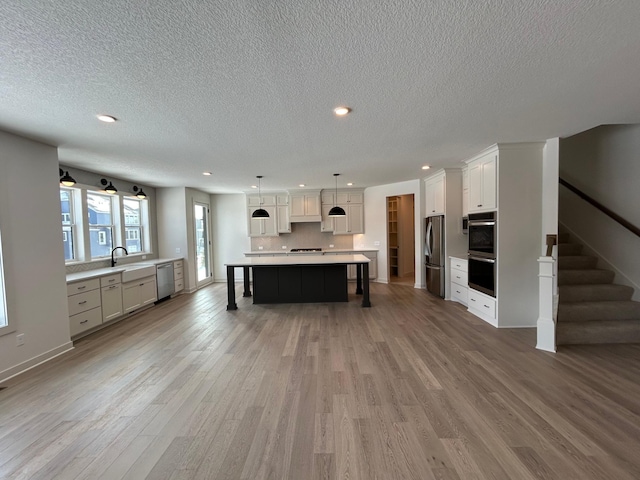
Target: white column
[[546, 311]]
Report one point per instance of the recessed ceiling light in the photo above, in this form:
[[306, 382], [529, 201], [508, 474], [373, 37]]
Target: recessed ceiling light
[[106, 118], [426, 167], [302, 185], [254, 186], [206, 173], [349, 184], [341, 111]]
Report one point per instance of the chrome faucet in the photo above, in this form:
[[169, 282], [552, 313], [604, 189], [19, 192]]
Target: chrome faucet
[[113, 260]]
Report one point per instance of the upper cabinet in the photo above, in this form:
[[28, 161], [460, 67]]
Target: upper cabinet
[[305, 206], [434, 195], [465, 191], [482, 175], [352, 202], [278, 220]]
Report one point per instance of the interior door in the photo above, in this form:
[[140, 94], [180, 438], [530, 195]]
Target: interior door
[[202, 244]]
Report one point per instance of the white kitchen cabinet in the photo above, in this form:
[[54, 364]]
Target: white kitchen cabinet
[[327, 222], [262, 200], [138, 294], [178, 275], [350, 197], [352, 222], [111, 297], [465, 192], [85, 309], [483, 306], [482, 176], [459, 282], [263, 227], [434, 195], [305, 206], [283, 219]]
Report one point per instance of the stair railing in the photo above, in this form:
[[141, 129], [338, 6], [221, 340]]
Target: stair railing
[[611, 214]]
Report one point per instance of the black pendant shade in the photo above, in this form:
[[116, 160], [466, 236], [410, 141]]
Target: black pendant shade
[[66, 179], [109, 188], [139, 193], [336, 211], [261, 212]]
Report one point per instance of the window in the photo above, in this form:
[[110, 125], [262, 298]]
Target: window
[[66, 206], [132, 225], [100, 212], [93, 222], [3, 302]]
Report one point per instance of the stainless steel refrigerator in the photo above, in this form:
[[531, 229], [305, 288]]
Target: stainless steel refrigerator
[[434, 254]]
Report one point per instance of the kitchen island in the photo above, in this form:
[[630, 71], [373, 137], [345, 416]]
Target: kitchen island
[[299, 279]]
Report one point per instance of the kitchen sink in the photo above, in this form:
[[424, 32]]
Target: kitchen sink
[[136, 272]]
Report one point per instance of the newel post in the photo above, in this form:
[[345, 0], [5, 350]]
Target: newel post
[[546, 311]]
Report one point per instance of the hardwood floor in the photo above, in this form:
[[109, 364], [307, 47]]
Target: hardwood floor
[[412, 388]]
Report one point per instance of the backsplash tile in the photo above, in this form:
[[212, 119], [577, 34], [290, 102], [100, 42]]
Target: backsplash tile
[[303, 235]]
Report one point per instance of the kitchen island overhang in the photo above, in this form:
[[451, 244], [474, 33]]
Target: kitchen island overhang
[[299, 279]]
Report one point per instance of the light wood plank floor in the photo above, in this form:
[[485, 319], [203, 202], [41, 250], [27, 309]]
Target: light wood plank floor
[[412, 388]]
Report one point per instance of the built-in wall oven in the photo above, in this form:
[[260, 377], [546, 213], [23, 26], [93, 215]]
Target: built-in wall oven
[[482, 252]]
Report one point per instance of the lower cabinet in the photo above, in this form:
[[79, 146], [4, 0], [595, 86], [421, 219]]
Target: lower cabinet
[[483, 306], [178, 276], [139, 294], [111, 295], [459, 282], [83, 300]]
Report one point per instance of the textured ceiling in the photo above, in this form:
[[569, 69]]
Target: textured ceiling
[[245, 88]]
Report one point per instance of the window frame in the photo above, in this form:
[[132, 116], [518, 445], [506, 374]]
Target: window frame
[[81, 233]]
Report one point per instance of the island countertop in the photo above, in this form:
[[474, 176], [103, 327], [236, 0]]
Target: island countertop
[[299, 259]]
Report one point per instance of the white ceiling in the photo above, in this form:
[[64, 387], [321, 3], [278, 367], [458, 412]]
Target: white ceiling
[[246, 88]]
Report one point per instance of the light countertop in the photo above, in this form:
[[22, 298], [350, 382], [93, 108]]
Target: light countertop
[[101, 272], [299, 259], [323, 252]]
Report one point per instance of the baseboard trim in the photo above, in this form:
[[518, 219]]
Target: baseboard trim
[[35, 361]]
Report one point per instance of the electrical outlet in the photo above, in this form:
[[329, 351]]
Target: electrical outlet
[[260, 247], [284, 247], [144, 257], [331, 245], [20, 339], [376, 243], [177, 249]]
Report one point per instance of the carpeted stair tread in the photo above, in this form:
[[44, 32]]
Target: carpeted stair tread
[[572, 262], [569, 249], [594, 293], [585, 276], [598, 332], [599, 311]]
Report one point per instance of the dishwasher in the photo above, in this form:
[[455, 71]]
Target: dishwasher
[[166, 285]]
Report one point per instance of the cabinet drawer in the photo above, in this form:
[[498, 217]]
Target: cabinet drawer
[[459, 294], [178, 273], [179, 285], [459, 277], [85, 286], [177, 264], [83, 302], [85, 320], [110, 280], [459, 264], [482, 303]]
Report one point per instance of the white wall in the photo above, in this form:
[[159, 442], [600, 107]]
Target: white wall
[[550, 171], [603, 163], [230, 236], [172, 226], [375, 225], [33, 255]]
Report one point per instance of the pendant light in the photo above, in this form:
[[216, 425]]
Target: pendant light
[[261, 212], [66, 179], [110, 188], [336, 211], [139, 193]]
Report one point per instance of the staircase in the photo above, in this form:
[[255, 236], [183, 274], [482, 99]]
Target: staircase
[[592, 309]]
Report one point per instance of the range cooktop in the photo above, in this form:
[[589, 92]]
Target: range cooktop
[[306, 249]]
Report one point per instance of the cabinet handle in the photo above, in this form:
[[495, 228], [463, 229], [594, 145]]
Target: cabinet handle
[[458, 277], [473, 299], [112, 280], [479, 205], [84, 321], [83, 287], [141, 284], [82, 303], [112, 286], [457, 291], [486, 306], [433, 210]]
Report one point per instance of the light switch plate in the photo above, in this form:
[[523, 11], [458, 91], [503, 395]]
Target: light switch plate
[[376, 243]]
